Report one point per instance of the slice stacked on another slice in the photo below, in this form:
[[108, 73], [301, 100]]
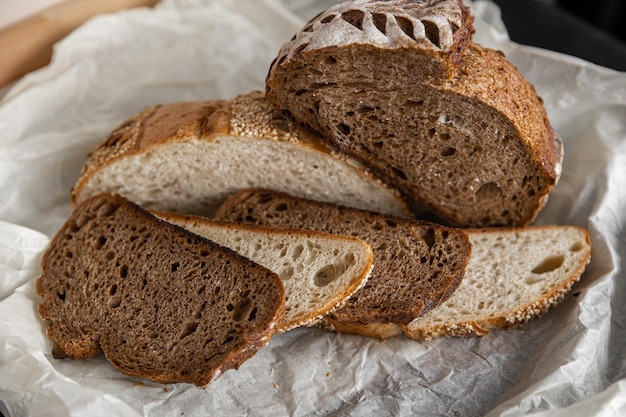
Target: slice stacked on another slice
[[417, 265], [187, 157], [513, 276], [160, 302], [319, 271]]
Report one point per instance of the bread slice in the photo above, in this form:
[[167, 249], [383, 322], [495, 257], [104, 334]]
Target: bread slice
[[319, 271], [400, 87], [187, 157], [513, 276], [417, 265], [160, 302]]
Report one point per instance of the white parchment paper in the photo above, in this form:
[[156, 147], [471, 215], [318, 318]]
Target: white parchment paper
[[571, 362]]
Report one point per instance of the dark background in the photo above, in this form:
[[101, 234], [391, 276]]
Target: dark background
[[594, 30]]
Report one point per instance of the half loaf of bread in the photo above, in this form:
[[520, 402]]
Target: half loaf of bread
[[187, 157], [400, 87], [319, 271], [160, 302], [513, 276], [417, 265]]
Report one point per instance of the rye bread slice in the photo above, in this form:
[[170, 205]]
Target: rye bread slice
[[400, 87], [417, 265], [160, 302]]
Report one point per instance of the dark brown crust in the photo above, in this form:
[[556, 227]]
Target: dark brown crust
[[79, 283]]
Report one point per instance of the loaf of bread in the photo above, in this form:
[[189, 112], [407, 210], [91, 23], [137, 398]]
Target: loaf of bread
[[160, 302], [417, 265], [187, 157], [401, 87], [319, 271], [513, 276]]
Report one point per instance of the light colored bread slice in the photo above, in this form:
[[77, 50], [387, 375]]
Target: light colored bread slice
[[417, 265], [187, 157], [400, 87], [513, 276], [160, 302], [319, 271]]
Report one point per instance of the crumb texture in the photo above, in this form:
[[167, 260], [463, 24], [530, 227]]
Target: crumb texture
[[416, 264], [160, 302], [513, 276], [319, 271], [456, 128], [187, 157]]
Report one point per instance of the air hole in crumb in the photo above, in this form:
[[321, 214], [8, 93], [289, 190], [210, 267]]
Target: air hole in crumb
[[428, 234], [328, 18], [576, 247], [406, 25], [300, 48], [414, 103], [300, 92], [391, 223], [101, 242], [330, 60], [252, 314], [228, 340], [449, 151], [399, 172], [549, 264], [378, 144], [308, 28], [61, 296], [113, 289], [189, 329], [432, 32], [280, 207], [488, 191], [124, 271], [115, 301], [380, 21], [325, 276], [354, 17], [175, 266], [242, 310], [343, 128]]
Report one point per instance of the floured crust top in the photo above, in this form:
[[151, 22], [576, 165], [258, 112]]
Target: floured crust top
[[436, 25]]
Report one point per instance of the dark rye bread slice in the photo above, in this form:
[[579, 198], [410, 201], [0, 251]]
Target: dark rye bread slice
[[160, 302], [400, 87], [417, 265]]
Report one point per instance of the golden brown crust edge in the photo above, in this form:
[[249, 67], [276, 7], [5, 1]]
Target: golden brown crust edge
[[515, 318]]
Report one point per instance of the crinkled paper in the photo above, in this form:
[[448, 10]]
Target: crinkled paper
[[572, 362]]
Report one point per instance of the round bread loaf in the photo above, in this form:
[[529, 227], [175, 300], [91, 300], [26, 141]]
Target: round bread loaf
[[400, 87]]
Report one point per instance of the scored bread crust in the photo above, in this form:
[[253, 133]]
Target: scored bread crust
[[112, 281], [188, 175], [298, 285], [565, 252], [381, 94]]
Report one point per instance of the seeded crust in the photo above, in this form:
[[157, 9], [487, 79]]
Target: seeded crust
[[187, 157], [514, 275], [319, 271], [451, 124], [417, 265], [160, 303]]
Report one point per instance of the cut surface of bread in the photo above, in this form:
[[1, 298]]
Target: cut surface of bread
[[513, 276], [187, 157], [417, 265], [319, 271], [160, 302], [400, 87]]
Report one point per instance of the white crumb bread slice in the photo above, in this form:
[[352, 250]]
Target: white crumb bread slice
[[513, 276], [319, 271], [188, 157]]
